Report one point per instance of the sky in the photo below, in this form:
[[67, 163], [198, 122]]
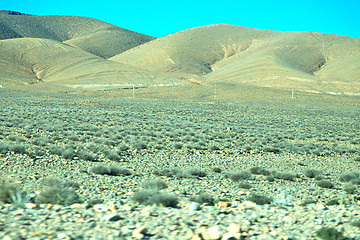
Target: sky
[[160, 18]]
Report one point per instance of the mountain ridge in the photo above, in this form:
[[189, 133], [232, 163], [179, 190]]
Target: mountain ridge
[[218, 54]]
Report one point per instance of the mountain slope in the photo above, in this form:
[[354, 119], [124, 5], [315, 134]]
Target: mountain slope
[[92, 35], [232, 54], [33, 60]]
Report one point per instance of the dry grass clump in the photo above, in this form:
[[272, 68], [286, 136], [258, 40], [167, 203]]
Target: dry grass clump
[[203, 198], [312, 173], [110, 170], [242, 175], [259, 199], [11, 193], [154, 184], [259, 171], [59, 196], [325, 184], [151, 196]]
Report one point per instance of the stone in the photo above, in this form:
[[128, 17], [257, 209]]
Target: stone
[[197, 236], [214, 233], [193, 206], [139, 232], [112, 217], [31, 205], [229, 236], [234, 228], [224, 204]]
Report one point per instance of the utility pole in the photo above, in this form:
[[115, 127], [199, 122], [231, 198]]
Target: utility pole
[[133, 90], [292, 89]]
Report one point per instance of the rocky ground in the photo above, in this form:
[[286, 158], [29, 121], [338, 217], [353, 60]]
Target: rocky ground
[[298, 209]]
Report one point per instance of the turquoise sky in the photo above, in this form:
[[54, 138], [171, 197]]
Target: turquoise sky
[[159, 18]]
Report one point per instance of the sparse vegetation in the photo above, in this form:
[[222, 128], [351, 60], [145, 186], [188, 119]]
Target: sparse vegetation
[[312, 173], [259, 199], [58, 195], [329, 233], [325, 184], [242, 175], [150, 197]]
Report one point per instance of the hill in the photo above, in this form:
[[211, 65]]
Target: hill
[[35, 60], [228, 54], [94, 36]]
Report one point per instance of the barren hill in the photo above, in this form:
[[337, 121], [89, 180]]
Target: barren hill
[[35, 60], [94, 36], [228, 54], [79, 51]]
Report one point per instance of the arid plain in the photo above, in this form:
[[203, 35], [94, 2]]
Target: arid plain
[[215, 132]]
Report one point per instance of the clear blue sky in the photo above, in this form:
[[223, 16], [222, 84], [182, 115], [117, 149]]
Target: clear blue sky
[[159, 18]]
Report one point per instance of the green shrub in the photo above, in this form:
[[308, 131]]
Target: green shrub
[[150, 197], [111, 170], [259, 171], [259, 199], [329, 233], [59, 196], [112, 155], [166, 172], [217, 170], [349, 176], [237, 176], [312, 173], [17, 148], [349, 188], [84, 155], [203, 198], [4, 147], [270, 178], [11, 193], [193, 172], [245, 185], [154, 184], [325, 184], [68, 154], [356, 223], [283, 176], [57, 182]]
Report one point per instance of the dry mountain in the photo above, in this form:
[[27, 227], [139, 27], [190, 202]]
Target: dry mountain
[[228, 54], [67, 51], [84, 52]]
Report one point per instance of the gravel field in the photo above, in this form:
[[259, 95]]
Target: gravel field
[[210, 181]]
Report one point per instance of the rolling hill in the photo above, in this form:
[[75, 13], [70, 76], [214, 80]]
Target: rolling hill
[[94, 36], [82, 52], [220, 54]]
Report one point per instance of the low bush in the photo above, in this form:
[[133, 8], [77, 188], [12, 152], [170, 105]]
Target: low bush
[[203, 198], [283, 176], [259, 199], [245, 185], [154, 184], [11, 193], [57, 182], [259, 171], [329, 233], [312, 173], [349, 176], [217, 170], [59, 196], [237, 176], [349, 188], [110, 170], [325, 184], [150, 197]]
